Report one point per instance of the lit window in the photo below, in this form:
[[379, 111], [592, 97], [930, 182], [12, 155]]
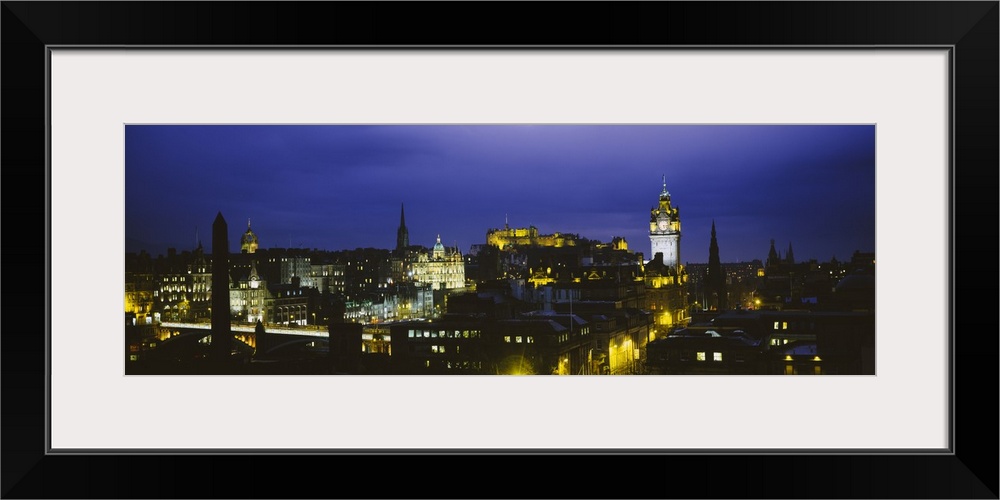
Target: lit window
[[531, 340], [700, 356], [776, 325], [717, 356], [517, 339], [784, 325], [506, 338]]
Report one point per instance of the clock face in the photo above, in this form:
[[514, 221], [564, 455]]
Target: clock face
[[663, 225]]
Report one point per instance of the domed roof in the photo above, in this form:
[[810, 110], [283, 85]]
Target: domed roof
[[249, 236], [248, 242]]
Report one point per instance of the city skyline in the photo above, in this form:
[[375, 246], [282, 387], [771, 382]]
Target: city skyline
[[337, 187]]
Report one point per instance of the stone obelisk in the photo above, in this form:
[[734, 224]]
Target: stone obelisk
[[222, 336]]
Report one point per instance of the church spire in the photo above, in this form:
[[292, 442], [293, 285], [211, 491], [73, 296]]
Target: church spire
[[402, 234], [716, 279], [772, 255]]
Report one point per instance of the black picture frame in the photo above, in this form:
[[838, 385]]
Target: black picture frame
[[970, 28]]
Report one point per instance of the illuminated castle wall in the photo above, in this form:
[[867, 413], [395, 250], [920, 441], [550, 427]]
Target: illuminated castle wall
[[508, 236]]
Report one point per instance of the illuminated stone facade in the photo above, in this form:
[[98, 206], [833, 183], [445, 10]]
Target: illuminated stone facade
[[665, 229], [201, 286], [138, 302], [247, 298], [248, 242], [529, 236], [665, 279], [666, 294], [443, 269]]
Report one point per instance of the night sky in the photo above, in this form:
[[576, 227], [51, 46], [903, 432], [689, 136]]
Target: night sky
[[337, 187]]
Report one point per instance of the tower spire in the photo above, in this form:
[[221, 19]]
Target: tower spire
[[402, 234], [716, 279]]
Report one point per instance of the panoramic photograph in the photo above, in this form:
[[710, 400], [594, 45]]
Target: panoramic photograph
[[547, 249]]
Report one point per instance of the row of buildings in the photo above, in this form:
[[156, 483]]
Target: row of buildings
[[526, 302]]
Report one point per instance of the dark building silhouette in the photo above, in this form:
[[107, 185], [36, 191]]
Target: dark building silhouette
[[221, 329], [402, 234], [261, 339], [707, 350], [773, 258], [715, 278]]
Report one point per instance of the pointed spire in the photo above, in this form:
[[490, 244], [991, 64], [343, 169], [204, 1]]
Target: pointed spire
[[248, 224], [402, 234], [772, 255], [715, 275], [714, 264], [439, 238]]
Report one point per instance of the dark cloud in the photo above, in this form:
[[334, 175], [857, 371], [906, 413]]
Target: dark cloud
[[338, 187]]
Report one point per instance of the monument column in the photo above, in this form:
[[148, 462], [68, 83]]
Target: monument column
[[222, 335]]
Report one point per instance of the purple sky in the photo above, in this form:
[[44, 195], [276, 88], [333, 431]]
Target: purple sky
[[340, 187]]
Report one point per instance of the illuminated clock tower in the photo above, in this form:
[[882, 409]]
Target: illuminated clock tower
[[665, 230]]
